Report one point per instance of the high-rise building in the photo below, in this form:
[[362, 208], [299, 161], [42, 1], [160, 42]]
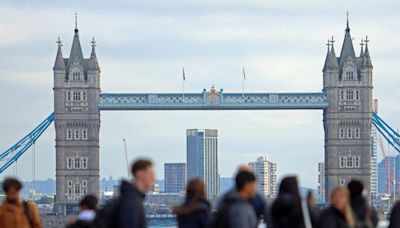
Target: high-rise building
[[374, 155], [77, 124], [347, 81], [174, 177], [321, 182], [266, 176], [389, 175], [202, 158]]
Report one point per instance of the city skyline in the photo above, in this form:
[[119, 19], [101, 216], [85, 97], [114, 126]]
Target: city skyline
[[235, 148]]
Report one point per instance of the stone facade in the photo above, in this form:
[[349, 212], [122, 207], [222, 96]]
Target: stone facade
[[77, 124], [347, 81]]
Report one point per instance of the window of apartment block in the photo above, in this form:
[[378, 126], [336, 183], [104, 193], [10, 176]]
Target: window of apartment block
[[342, 181]]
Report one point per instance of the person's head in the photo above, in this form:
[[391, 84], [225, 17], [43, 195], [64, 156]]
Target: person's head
[[290, 186], [143, 173], [356, 188], [88, 202], [12, 188], [195, 189], [245, 183], [311, 199], [340, 199]]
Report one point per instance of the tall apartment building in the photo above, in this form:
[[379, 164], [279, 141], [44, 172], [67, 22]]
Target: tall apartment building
[[374, 155], [175, 177], [266, 176], [389, 175], [202, 158], [321, 182]]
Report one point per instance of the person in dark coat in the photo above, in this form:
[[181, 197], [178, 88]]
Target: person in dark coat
[[131, 211], [395, 216], [195, 211], [339, 214], [286, 210], [364, 213], [88, 206], [234, 209]]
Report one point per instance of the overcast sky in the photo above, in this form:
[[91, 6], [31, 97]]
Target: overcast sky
[[142, 47]]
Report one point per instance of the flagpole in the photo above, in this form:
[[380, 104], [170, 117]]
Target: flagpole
[[243, 78], [183, 85]]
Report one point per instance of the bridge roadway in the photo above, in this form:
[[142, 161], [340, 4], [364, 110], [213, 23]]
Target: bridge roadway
[[212, 100]]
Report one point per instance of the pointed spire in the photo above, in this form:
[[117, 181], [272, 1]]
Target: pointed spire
[[93, 64], [331, 60], [366, 61], [59, 63], [347, 48], [347, 22], [362, 48], [76, 22], [76, 54]]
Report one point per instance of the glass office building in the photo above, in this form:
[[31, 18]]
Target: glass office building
[[202, 158]]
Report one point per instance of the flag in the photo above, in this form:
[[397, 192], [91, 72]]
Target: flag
[[183, 74], [244, 74]]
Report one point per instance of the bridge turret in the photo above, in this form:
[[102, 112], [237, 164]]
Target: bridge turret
[[347, 120], [331, 66], [77, 124]]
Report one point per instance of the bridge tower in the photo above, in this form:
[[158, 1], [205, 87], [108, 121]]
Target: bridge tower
[[77, 124], [347, 81]]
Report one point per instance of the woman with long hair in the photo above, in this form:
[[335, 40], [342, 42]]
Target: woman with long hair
[[288, 209], [339, 214], [195, 211]]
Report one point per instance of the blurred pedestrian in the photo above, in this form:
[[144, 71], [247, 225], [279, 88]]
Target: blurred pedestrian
[[339, 214], [15, 212], [131, 211], [195, 211], [258, 202], [312, 206], [234, 209], [365, 215], [88, 206], [395, 216], [288, 209]]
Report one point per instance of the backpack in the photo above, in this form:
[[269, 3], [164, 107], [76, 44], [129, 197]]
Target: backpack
[[26, 212], [220, 219], [367, 221], [107, 216]]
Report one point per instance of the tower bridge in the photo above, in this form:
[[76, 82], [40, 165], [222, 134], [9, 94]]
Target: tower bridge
[[346, 101]]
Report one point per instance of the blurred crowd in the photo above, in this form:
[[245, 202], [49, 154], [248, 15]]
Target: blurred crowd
[[240, 207]]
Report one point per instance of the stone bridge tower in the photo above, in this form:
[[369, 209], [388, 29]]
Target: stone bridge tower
[[347, 80], [77, 124]]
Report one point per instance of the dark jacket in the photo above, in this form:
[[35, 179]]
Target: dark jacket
[[332, 218], [395, 216], [362, 211], [286, 212], [238, 212], [194, 213], [80, 224], [131, 212]]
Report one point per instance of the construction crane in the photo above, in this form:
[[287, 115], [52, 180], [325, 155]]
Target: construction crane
[[386, 160], [126, 156]]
